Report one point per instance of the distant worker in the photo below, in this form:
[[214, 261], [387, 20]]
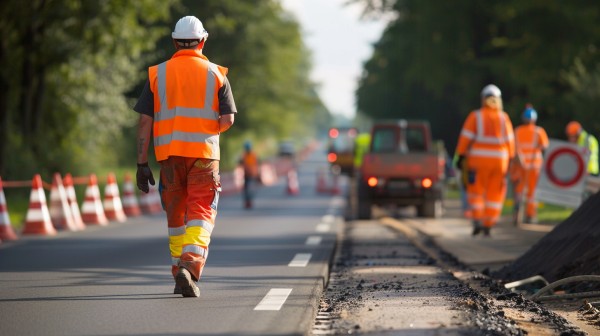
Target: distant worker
[[576, 134], [530, 142], [485, 148], [187, 102], [362, 143], [249, 163]]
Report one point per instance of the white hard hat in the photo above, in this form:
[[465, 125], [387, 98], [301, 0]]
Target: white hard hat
[[189, 28], [491, 90]]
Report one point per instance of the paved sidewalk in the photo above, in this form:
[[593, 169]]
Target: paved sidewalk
[[453, 234]]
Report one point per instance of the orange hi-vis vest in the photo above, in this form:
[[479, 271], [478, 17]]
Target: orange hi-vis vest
[[487, 139], [186, 106], [250, 163], [530, 141]]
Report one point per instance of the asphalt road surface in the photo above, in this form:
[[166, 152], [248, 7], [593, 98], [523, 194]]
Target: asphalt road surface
[[265, 273]]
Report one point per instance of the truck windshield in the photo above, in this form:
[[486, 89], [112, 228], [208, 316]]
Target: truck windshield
[[415, 139], [384, 140]]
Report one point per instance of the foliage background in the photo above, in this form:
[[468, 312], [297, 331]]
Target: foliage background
[[73, 70], [435, 57]]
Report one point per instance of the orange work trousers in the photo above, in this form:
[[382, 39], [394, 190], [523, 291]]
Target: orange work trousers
[[528, 179], [189, 189], [486, 190]]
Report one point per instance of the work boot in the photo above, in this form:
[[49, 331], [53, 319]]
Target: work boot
[[177, 289], [184, 281], [486, 231], [476, 228]]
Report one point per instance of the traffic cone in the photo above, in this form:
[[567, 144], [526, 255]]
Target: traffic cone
[[60, 210], [113, 208], [37, 221], [321, 182], [130, 203], [72, 198], [6, 229], [92, 211], [292, 182], [150, 202], [335, 188]]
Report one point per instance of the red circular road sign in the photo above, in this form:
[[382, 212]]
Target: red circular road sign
[[550, 164]]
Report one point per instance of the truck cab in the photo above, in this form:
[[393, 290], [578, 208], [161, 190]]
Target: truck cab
[[403, 168]]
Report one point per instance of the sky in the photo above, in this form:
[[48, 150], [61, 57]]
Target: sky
[[340, 43]]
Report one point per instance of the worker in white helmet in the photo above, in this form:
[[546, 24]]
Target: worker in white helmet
[[485, 147], [187, 103]]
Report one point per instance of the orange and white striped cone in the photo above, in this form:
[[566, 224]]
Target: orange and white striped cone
[[6, 230], [113, 208], [292, 182], [72, 198], [60, 210], [321, 182], [335, 188], [92, 211], [37, 220], [130, 202], [150, 202]]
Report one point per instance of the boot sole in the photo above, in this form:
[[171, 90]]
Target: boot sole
[[184, 281]]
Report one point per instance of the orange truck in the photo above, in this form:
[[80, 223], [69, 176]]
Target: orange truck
[[403, 168]]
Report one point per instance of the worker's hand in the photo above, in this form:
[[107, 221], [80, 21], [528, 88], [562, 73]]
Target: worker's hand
[[460, 162], [143, 176]]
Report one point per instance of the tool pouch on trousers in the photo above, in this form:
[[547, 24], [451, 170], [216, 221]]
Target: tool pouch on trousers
[[217, 189]]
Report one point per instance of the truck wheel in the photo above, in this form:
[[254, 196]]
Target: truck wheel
[[430, 208]]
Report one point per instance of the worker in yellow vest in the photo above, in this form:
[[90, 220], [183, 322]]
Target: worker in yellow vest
[[576, 134], [362, 144], [530, 142], [186, 103]]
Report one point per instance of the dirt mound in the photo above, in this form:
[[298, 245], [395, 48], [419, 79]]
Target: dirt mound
[[572, 248]]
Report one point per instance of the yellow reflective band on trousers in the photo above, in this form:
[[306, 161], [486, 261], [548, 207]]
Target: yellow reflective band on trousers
[[196, 235]]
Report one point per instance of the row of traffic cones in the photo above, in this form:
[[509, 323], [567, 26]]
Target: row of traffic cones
[[64, 214]]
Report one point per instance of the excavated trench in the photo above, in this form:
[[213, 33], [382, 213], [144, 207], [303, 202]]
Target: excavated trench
[[389, 279]]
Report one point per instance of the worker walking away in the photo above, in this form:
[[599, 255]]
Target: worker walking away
[[576, 134], [186, 103], [530, 143], [485, 147], [249, 163]]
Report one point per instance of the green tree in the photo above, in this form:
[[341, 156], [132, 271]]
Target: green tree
[[71, 61], [435, 57]]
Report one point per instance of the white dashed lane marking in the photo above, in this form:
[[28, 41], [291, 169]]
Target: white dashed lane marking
[[274, 299], [313, 240], [300, 260], [322, 227]]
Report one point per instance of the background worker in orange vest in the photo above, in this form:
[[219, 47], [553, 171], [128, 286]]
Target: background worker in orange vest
[[530, 142], [485, 148], [249, 162], [187, 103]]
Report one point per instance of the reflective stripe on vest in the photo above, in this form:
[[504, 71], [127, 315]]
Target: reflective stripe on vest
[[187, 131], [481, 138]]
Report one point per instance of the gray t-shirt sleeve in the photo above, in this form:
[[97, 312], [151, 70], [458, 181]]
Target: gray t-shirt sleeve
[[145, 103]]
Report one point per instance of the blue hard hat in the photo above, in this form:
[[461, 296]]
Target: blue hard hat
[[529, 114], [247, 145]]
